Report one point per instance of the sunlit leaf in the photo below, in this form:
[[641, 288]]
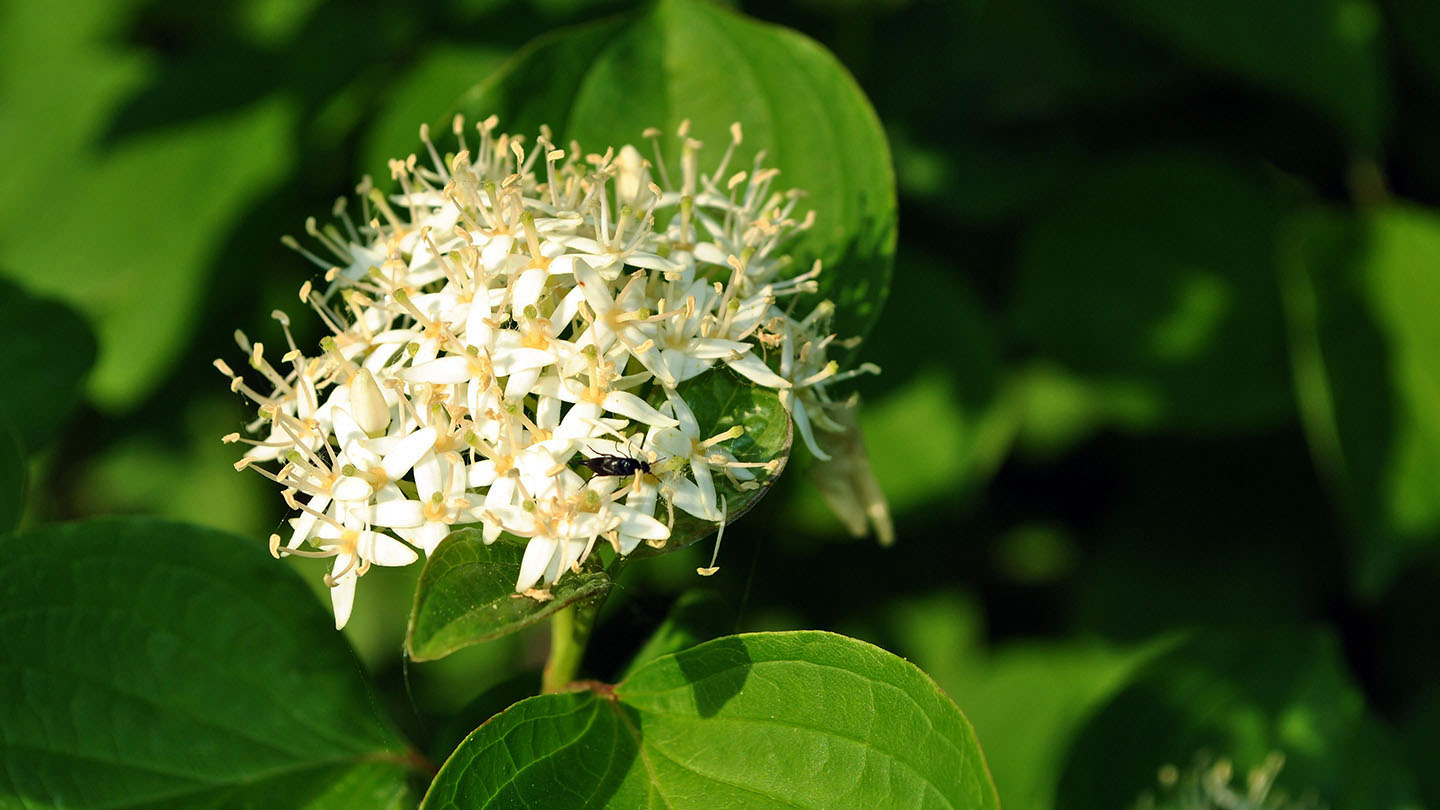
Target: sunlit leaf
[[122, 231], [605, 83], [764, 720], [160, 665]]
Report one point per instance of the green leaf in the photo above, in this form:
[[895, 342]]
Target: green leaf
[[12, 478], [123, 230], [603, 84], [48, 351], [1027, 699], [467, 595], [720, 401], [1156, 281], [697, 616], [1362, 296], [440, 74], [802, 719], [161, 665], [1240, 698], [1327, 54]]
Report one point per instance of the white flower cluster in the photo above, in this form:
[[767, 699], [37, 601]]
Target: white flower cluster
[[502, 331]]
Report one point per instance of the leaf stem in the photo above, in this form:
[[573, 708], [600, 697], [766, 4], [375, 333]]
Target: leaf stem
[[569, 633]]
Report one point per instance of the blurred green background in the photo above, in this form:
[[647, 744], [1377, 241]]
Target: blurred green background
[[1161, 390]]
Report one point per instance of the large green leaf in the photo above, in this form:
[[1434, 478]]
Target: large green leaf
[[1362, 295], [1324, 53], [801, 719], [603, 84], [161, 665], [122, 229], [1156, 280], [48, 350], [466, 595], [1242, 698]]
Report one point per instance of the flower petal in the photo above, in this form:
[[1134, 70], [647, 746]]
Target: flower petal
[[342, 597], [754, 369], [403, 456], [538, 554], [383, 549], [628, 405]]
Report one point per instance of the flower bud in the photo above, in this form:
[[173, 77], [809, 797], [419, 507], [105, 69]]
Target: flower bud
[[367, 404]]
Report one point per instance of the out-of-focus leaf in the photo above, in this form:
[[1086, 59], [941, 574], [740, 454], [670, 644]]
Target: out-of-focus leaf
[[937, 421], [1242, 698], [1326, 53], [48, 351], [799, 719], [981, 180], [1158, 276], [1362, 296], [697, 616], [1057, 409], [603, 84], [466, 595], [188, 669], [187, 474], [439, 76], [12, 478], [1422, 737], [123, 232], [720, 401]]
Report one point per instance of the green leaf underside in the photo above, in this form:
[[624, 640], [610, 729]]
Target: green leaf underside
[[603, 84], [803, 719], [151, 664], [1362, 296], [466, 595], [48, 351], [720, 400]]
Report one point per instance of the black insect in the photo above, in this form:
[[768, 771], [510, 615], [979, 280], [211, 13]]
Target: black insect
[[616, 465]]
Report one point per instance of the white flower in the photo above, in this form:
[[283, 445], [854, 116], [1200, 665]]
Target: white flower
[[355, 548], [504, 310], [684, 444]]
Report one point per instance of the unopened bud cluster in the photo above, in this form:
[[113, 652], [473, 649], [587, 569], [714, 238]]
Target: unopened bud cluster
[[507, 336]]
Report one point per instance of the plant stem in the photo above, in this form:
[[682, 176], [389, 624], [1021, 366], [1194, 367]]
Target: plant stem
[[569, 633]]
